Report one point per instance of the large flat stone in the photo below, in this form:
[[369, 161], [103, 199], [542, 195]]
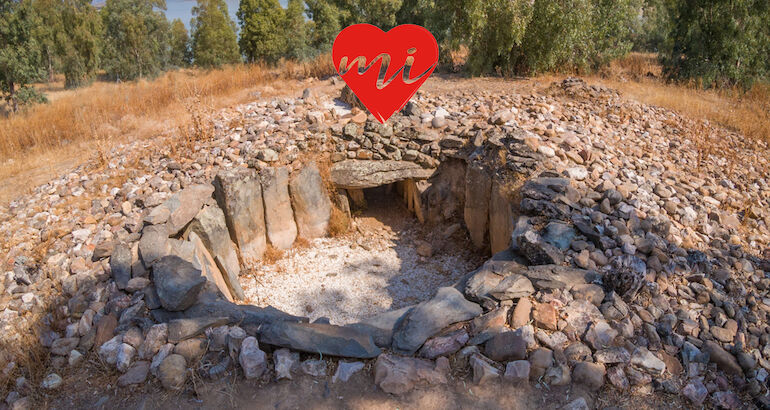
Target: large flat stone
[[359, 174], [428, 318], [279, 217], [320, 338], [312, 207], [239, 194]]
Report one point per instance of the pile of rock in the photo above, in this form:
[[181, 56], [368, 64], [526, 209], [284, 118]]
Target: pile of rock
[[611, 265]]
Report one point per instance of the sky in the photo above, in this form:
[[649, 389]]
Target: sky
[[182, 9]]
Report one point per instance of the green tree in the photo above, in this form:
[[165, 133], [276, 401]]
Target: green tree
[[719, 42], [213, 35], [330, 16], [655, 25], [136, 38], [262, 25], [79, 42], [325, 24], [181, 53], [20, 54], [296, 31], [49, 12]]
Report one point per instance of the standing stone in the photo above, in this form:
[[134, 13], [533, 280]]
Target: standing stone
[[279, 217], [312, 207], [177, 282], [239, 194], [208, 266], [120, 265], [501, 217], [210, 226], [478, 186]]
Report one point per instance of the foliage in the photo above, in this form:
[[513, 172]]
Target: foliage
[[20, 54], [719, 42], [181, 51], [29, 95], [525, 36], [325, 24], [49, 12], [296, 31], [262, 30], [136, 38], [78, 42], [654, 25], [213, 35]]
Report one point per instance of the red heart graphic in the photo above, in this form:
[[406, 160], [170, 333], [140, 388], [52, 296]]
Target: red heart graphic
[[360, 52]]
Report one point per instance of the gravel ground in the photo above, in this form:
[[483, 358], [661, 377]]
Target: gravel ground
[[372, 270]]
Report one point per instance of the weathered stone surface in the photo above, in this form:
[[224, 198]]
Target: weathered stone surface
[[723, 359], [253, 361], [155, 338], [279, 217], [357, 174], [136, 374], [312, 207], [538, 251], [64, 345], [185, 204], [205, 262], [172, 372], [382, 326], [517, 371], [314, 367], [177, 283], [513, 286], [191, 349], [211, 228], [399, 375], [444, 345], [320, 338], [589, 374], [502, 216], [285, 361], [182, 329], [428, 318], [483, 369], [120, 265], [239, 195], [478, 187], [346, 370], [505, 347], [647, 361], [154, 244]]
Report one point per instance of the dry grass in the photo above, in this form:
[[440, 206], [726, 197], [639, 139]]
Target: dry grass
[[271, 255], [339, 222], [65, 129], [747, 112]]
